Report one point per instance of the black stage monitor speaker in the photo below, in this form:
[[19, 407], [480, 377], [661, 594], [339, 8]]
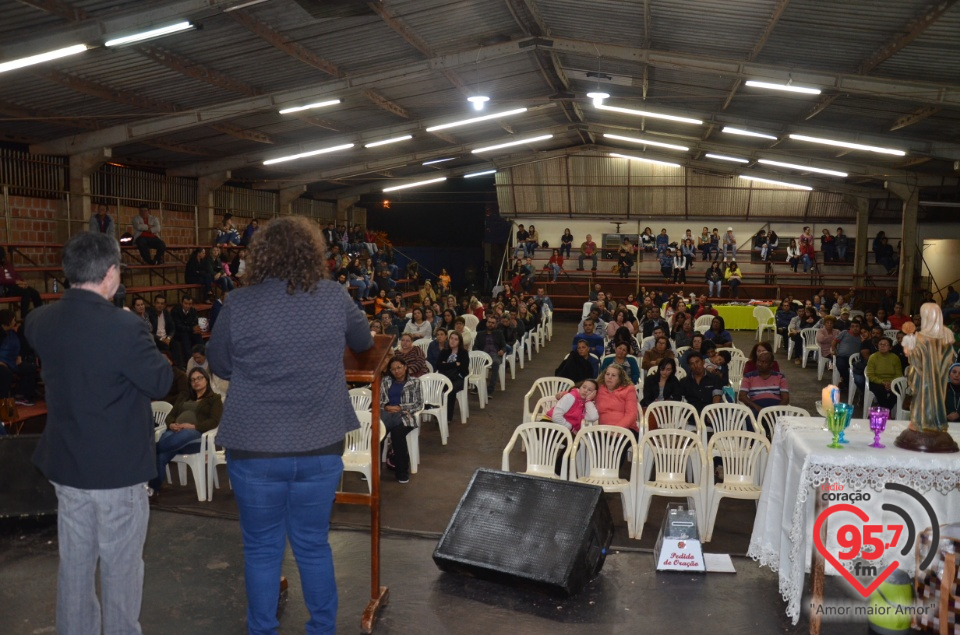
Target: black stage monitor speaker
[[547, 534], [24, 491]]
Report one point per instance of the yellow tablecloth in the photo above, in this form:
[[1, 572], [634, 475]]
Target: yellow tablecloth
[[737, 318]]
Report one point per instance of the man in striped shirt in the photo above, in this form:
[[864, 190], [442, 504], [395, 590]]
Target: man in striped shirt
[[764, 387]]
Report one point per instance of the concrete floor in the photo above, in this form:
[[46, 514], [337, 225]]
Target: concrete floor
[[194, 578]]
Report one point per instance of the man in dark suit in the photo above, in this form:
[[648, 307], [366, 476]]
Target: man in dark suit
[[491, 341], [101, 369], [161, 323], [186, 326]]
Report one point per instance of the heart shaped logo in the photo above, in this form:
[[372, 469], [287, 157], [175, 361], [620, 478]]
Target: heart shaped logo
[[829, 557]]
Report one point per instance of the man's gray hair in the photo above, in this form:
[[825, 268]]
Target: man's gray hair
[[88, 256]]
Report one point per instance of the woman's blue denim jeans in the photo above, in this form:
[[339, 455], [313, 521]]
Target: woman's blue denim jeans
[[280, 498]]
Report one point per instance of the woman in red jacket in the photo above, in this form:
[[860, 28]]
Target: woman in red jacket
[[616, 400]]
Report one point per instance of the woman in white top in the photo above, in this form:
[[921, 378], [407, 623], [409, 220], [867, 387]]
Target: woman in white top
[[679, 267], [417, 327], [793, 255]]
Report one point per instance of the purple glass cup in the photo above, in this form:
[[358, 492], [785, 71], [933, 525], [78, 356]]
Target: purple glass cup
[[878, 423]]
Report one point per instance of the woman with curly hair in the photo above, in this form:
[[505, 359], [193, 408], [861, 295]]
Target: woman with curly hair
[[284, 424]]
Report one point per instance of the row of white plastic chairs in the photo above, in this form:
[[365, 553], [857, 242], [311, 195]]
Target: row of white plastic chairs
[[672, 462]]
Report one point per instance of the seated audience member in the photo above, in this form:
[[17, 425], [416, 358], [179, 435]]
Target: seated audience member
[[186, 331], [696, 346], [436, 346], [511, 334], [466, 335], [14, 286], [383, 303], [389, 328], [227, 233], [593, 340], [101, 222], [161, 323], [617, 400], [826, 336], [621, 356], [751, 363], [666, 265], [714, 279], [845, 345], [882, 368], [622, 336], [620, 320], [543, 299], [599, 325], [706, 308], [883, 319], [198, 359], [897, 319], [782, 318], [660, 351], [400, 400], [195, 412], [624, 263], [418, 327], [764, 386], [664, 386], [839, 306], [412, 356], [146, 236], [650, 342], [588, 249], [575, 406], [953, 394], [700, 388], [807, 319], [716, 362], [653, 321], [886, 256], [13, 364], [898, 350], [683, 335], [490, 341], [718, 333], [454, 364], [843, 322], [734, 277], [579, 364]]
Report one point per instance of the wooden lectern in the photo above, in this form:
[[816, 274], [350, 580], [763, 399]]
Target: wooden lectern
[[366, 368]]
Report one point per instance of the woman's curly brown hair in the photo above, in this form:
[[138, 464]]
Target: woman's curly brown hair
[[290, 248]]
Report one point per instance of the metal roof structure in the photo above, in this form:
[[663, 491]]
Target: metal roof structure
[[206, 100]]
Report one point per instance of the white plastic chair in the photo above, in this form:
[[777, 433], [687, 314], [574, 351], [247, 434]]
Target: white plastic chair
[[511, 359], [765, 320], [899, 388], [361, 398], [633, 309], [680, 351], [470, 321], [544, 387], [742, 455], [673, 414], [644, 341], [721, 417], [160, 411], [735, 352], [544, 442], [480, 363], [548, 320], [851, 384], [809, 344], [892, 334], [673, 454], [215, 457], [703, 323], [197, 464], [823, 361], [424, 345], [767, 417], [586, 309], [653, 370], [603, 446], [436, 389], [357, 450], [735, 371], [544, 404]]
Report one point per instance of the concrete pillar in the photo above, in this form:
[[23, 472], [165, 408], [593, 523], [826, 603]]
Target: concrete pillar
[[82, 165], [206, 212], [344, 205], [862, 245], [287, 196], [910, 195]]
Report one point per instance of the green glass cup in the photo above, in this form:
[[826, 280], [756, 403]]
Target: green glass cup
[[836, 419]]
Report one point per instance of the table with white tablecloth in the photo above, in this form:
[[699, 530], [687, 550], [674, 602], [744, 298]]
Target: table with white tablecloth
[[800, 461]]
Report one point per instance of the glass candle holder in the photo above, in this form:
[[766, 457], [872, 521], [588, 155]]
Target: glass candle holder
[[847, 411], [878, 423]]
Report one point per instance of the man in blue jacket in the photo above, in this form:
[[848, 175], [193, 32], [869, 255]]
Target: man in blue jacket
[[594, 341], [101, 370]]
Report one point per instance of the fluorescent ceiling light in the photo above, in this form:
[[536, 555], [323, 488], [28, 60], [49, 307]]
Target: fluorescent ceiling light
[[464, 122], [723, 157], [644, 113], [772, 182], [414, 184], [598, 97], [438, 161], [319, 104], [845, 144], [478, 101], [790, 88], [513, 143], [384, 142], [484, 173], [303, 155], [42, 57], [633, 158], [243, 5], [805, 168], [149, 35], [747, 133], [647, 142]]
